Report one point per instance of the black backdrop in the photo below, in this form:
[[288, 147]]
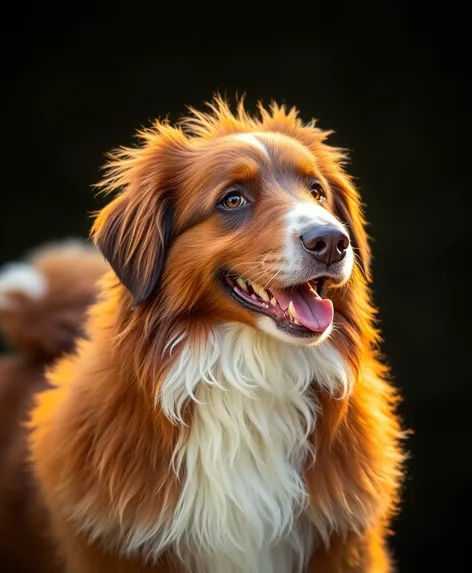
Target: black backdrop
[[388, 78]]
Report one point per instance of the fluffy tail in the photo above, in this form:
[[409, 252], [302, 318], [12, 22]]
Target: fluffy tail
[[43, 298]]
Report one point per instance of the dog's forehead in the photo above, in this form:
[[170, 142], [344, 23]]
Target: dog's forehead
[[276, 147], [272, 158], [245, 156], [252, 140]]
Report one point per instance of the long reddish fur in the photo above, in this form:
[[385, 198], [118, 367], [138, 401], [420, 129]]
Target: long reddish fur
[[101, 446]]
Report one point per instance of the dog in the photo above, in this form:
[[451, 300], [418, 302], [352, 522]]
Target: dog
[[228, 410], [43, 301]]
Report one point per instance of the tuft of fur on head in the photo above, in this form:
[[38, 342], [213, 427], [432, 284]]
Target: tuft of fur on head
[[43, 298]]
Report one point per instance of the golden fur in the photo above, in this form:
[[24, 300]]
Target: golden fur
[[106, 452]]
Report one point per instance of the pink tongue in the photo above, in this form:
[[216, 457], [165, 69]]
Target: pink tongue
[[313, 312]]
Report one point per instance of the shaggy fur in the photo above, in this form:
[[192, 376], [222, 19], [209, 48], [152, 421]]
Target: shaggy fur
[[189, 433], [42, 309]]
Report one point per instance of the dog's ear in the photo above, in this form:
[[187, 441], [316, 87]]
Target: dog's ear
[[349, 210], [134, 234], [135, 230]]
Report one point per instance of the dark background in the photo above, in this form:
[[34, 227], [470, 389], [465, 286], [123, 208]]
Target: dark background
[[388, 78]]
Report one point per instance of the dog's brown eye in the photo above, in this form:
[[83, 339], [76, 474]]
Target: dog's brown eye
[[317, 191], [233, 201]]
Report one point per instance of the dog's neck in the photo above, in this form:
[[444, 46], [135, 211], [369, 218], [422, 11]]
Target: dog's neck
[[251, 363]]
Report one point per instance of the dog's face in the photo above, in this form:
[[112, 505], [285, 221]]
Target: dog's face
[[255, 225]]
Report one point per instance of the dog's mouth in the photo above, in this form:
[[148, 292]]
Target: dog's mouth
[[299, 310]]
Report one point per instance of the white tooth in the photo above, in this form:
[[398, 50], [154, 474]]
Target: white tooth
[[296, 321], [273, 302], [242, 284], [315, 289], [292, 312], [261, 292]]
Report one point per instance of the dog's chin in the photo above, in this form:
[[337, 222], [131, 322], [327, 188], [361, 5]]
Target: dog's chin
[[289, 336], [295, 315]]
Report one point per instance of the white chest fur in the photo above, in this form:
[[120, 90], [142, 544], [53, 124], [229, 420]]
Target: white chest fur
[[241, 507]]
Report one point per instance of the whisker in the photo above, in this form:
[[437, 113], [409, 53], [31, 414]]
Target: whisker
[[358, 262], [272, 278], [344, 290], [244, 263], [260, 260], [259, 275], [244, 275]]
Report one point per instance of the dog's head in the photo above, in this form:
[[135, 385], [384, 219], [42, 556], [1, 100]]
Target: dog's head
[[234, 218]]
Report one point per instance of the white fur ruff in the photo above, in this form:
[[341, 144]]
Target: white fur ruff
[[242, 503]]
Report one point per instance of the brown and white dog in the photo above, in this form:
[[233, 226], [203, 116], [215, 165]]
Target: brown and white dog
[[43, 301], [228, 412]]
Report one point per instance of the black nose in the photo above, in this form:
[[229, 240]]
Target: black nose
[[326, 244]]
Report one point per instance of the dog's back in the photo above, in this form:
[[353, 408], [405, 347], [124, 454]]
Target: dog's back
[[42, 307]]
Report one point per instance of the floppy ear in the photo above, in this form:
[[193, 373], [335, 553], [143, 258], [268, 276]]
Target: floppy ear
[[135, 230], [134, 233], [349, 210]]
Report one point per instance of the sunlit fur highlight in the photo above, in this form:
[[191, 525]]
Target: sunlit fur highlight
[[176, 386]]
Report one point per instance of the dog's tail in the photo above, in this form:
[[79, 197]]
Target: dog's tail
[[43, 299]]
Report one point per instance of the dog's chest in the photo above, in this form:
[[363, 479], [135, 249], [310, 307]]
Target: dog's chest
[[242, 504], [244, 495]]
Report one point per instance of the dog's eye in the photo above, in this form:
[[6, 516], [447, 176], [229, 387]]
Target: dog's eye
[[233, 200], [317, 191]]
